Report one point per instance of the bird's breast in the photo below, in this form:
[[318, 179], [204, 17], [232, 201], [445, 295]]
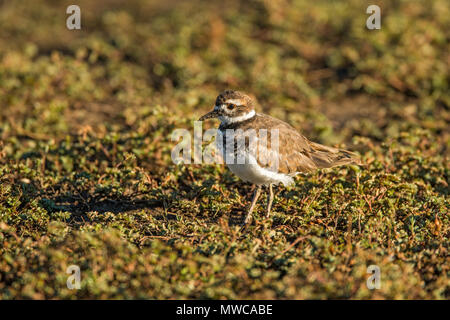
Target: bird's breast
[[243, 164]]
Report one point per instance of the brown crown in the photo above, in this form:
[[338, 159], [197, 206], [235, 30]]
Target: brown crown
[[232, 94]]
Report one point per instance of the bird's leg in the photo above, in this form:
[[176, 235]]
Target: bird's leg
[[252, 206], [269, 200]]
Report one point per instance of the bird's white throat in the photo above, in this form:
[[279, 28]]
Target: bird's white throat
[[225, 119]]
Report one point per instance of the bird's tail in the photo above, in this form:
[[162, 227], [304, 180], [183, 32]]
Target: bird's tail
[[327, 157]]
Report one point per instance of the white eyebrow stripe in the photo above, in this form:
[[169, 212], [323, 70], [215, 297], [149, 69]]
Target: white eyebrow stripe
[[234, 101]]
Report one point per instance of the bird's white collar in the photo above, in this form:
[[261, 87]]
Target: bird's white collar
[[228, 120]]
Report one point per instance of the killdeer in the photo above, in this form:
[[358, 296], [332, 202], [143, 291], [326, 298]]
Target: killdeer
[[273, 162]]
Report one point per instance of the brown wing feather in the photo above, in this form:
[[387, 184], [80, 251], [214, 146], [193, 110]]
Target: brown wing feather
[[293, 148], [295, 152]]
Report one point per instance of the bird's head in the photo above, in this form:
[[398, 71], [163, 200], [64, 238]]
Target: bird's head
[[231, 106]]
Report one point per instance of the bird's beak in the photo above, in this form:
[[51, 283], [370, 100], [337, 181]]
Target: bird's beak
[[209, 115]]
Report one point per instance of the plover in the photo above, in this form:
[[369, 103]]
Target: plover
[[284, 153]]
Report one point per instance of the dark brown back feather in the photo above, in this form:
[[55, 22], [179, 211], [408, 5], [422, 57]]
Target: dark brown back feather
[[295, 153]]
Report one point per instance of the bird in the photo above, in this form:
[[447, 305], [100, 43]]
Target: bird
[[264, 150]]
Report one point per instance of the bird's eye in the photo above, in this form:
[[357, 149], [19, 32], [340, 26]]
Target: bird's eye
[[231, 106]]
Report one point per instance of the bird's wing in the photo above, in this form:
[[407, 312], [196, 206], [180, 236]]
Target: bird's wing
[[291, 152], [284, 150]]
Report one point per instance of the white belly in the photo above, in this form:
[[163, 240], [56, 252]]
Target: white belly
[[250, 170], [256, 174]]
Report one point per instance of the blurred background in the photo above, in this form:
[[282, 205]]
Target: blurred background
[[315, 65], [86, 175]]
